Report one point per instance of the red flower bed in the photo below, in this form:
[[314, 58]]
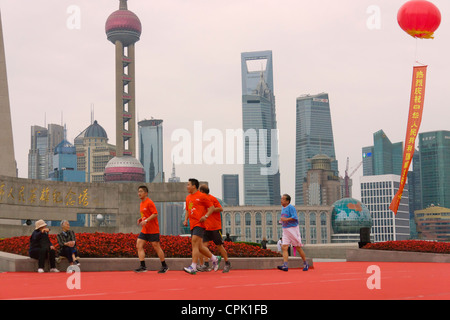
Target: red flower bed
[[411, 245], [121, 245]]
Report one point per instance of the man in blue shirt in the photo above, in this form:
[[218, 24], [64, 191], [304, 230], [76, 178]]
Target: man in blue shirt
[[291, 232]]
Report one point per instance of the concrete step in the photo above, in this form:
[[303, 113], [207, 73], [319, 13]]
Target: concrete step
[[16, 263]]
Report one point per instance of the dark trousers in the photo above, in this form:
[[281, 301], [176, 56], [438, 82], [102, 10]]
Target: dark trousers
[[43, 254], [67, 253]]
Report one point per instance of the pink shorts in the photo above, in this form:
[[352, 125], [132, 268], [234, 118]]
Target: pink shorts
[[291, 236]]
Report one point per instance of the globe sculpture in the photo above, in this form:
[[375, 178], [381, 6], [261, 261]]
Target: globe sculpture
[[349, 216]]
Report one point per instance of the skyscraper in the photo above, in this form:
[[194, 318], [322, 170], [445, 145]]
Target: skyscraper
[[173, 176], [314, 135], [434, 148], [382, 165], [384, 157], [65, 164], [321, 187], [151, 149], [261, 172], [377, 192], [93, 152], [230, 189], [123, 28], [173, 212], [43, 144]]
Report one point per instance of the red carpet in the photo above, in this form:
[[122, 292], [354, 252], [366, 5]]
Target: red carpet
[[328, 280]]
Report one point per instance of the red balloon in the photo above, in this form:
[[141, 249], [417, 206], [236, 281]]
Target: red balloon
[[419, 18]]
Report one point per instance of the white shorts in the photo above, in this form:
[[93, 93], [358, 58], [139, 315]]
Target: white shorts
[[291, 236]]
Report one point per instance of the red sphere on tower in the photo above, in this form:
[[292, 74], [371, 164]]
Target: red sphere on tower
[[123, 25]]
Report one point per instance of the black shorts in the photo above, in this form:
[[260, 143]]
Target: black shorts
[[214, 235], [198, 231], [150, 237]]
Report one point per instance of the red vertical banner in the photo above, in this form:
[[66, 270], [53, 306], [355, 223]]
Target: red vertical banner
[[412, 130]]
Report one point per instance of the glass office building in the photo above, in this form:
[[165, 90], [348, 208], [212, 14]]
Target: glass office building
[[151, 149], [382, 165], [65, 164], [434, 148], [384, 157], [261, 174], [43, 144], [230, 189], [314, 135]]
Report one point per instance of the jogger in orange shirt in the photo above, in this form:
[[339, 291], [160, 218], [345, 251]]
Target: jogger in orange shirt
[[197, 207], [213, 226], [149, 232]]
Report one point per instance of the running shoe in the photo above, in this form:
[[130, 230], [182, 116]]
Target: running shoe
[[202, 268], [140, 269], [227, 267], [190, 270], [163, 269], [208, 268], [216, 263], [305, 266], [283, 268]]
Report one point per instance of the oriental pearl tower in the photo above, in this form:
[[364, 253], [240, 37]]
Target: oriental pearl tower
[[123, 28]]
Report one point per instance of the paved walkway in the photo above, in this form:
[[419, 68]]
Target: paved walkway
[[328, 280]]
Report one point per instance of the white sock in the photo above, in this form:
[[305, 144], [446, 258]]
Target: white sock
[[194, 266], [214, 258]]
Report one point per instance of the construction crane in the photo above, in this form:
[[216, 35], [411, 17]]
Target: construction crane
[[348, 176]]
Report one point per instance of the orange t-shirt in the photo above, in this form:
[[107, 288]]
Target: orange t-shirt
[[148, 209], [197, 205], [214, 222]]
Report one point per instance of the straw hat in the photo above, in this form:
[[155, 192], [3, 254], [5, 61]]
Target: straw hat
[[40, 224]]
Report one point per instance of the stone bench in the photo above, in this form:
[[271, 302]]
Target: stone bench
[[16, 263]]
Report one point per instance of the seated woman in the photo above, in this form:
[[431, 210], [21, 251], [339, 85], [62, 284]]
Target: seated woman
[[41, 248], [66, 241]]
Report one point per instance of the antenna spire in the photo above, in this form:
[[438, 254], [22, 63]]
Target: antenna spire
[[123, 5]]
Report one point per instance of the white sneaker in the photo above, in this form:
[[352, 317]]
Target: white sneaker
[[216, 263], [54, 270], [190, 270], [40, 270]]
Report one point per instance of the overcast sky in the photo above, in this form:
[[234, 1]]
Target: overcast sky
[[188, 69]]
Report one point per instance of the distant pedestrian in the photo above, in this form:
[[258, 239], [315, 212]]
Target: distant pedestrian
[[279, 245], [228, 238], [264, 243], [291, 232]]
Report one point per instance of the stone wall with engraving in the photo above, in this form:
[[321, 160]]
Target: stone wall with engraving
[[22, 199]]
